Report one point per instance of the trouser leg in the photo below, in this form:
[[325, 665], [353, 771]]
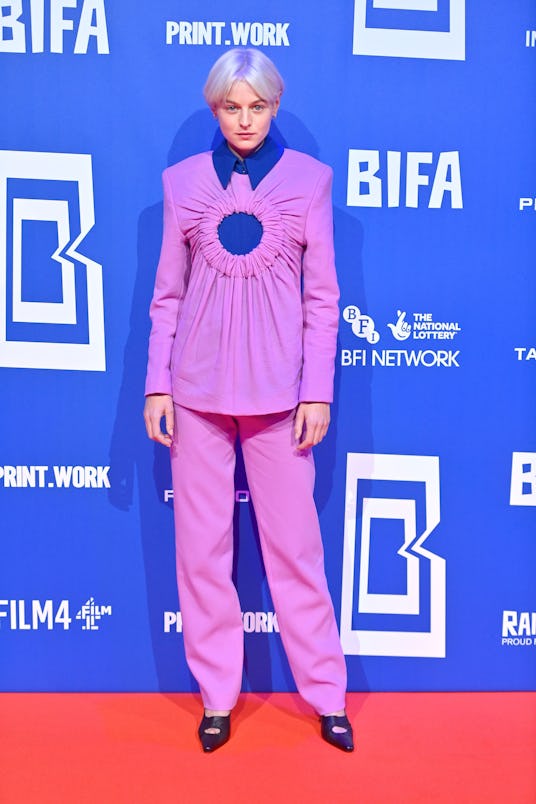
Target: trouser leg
[[203, 461], [281, 482]]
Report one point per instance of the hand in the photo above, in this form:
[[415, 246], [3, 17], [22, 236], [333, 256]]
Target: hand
[[315, 417], [157, 407]]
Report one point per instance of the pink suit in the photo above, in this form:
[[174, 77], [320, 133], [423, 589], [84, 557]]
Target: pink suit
[[238, 344]]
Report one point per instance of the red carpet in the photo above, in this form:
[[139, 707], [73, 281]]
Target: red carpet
[[411, 747]]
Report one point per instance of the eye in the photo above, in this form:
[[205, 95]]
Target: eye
[[230, 107], [258, 107]]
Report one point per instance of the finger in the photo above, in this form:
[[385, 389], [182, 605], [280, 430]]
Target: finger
[[317, 434], [158, 435], [307, 440], [163, 438], [152, 423], [314, 435], [298, 424], [149, 424], [322, 430], [170, 421], [305, 444]]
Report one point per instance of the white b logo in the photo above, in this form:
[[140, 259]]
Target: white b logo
[[14, 308], [375, 33], [523, 479], [374, 596]]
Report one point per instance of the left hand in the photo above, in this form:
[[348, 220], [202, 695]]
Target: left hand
[[311, 423]]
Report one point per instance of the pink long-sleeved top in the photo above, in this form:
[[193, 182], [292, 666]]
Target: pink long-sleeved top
[[254, 332]]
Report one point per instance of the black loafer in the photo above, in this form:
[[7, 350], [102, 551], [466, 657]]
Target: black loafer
[[211, 742], [344, 739]]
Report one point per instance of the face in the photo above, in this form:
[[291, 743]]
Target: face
[[245, 118]]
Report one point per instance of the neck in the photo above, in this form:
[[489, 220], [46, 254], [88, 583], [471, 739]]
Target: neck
[[245, 155]]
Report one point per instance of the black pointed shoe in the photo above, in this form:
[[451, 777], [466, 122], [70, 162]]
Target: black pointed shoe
[[211, 742], [344, 739]]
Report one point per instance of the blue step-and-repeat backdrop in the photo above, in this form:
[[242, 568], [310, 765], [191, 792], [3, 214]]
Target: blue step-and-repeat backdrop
[[426, 482]]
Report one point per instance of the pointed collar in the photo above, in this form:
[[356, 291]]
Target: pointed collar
[[257, 165]]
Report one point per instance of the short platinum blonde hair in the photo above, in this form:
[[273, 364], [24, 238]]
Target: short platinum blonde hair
[[243, 64]]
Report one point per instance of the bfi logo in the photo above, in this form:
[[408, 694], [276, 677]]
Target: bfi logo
[[396, 187], [412, 29], [21, 36]]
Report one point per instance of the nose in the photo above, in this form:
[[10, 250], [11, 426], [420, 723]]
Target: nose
[[245, 119]]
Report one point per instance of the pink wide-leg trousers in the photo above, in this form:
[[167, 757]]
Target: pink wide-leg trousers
[[280, 480]]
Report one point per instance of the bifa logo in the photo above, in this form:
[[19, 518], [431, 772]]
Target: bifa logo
[[413, 29], [50, 26], [51, 299], [523, 479], [393, 588], [424, 181]]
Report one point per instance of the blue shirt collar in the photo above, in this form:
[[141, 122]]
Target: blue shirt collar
[[257, 165]]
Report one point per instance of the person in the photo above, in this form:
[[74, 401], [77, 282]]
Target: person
[[242, 345]]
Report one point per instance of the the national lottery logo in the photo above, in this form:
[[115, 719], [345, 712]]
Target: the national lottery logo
[[402, 329], [393, 588], [35, 615], [51, 297], [406, 327], [415, 29], [53, 26], [90, 614], [422, 326]]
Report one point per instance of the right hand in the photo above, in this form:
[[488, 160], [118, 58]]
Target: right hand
[[157, 407]]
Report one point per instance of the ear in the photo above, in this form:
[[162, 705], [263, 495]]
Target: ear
[[275, 106]]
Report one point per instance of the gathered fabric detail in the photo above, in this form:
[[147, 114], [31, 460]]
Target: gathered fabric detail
[[260, 258]]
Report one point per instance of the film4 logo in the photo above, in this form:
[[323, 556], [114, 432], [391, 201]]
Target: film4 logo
[[35, 615]]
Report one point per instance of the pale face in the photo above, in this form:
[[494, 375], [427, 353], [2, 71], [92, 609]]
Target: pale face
[[245, 118]]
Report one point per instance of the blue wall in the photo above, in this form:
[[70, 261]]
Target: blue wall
[[426, 482]]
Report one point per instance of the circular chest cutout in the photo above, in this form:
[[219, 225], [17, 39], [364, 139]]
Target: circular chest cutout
[[240, 233]]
